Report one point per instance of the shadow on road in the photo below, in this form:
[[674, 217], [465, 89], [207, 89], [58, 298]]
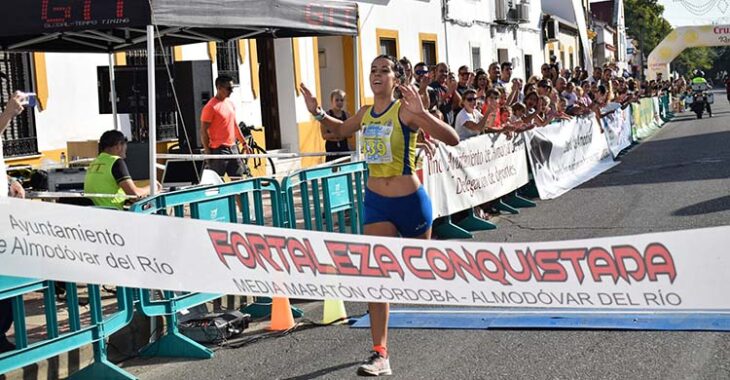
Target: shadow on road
[[706, 207], [323, 371], [679, 159]]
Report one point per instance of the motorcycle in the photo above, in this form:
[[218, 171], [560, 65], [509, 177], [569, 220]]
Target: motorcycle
[[698, 103], [701, 99]]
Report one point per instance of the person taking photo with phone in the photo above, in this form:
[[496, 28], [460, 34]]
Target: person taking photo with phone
[[9, 187]]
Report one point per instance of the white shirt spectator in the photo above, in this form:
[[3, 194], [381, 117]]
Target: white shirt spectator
[[461, 119], [571, 98]]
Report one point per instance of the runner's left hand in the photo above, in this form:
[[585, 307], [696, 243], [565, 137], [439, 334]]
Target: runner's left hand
[[411, 100]]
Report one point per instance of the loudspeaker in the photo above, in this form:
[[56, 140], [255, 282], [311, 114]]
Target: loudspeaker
[[131, 89], [194, 88]]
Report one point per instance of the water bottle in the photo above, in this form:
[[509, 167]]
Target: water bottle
[[63, 159]]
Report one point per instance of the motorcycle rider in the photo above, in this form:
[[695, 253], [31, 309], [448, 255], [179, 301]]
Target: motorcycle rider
[[699, 83]]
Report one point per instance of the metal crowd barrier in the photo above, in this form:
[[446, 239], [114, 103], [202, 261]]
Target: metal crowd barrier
[[326, 193], [253, 201], [665, 108], [79, 334]]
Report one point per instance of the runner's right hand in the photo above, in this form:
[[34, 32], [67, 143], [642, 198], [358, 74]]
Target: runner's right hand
[[309, 99]]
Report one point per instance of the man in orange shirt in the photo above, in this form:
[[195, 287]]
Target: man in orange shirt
[[219, 130]]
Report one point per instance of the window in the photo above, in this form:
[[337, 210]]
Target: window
[[502, 55], [387, 46], [572, 61], [227, 59], [528, 66], [387, 42], [476, 57], [166, 121], [428, 52], [429, 48], [562, 59], [19, 139]]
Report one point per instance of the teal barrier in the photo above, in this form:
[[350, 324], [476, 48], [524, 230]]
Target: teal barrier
[[102, 325], [326, 193], [254, 201], [665, 108], [322, 199]]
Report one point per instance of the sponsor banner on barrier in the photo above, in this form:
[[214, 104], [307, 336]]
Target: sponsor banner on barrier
[[659, 271], [476, 171], [644, 123], [563, 155], [617, 129], [658, 122]]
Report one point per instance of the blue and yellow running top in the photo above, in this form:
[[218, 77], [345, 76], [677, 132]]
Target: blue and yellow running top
[[389, 145]]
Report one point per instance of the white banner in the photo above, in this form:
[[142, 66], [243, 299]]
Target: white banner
[[617, 129], [660, 271], [564, 155], [476, 171]]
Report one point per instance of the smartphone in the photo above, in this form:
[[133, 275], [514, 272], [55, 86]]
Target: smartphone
[[32, 100], [29, 99]]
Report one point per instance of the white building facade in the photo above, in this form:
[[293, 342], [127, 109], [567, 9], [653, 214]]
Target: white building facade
[[459, 32]]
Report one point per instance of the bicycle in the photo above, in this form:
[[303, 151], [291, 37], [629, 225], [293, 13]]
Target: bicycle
[[253, 148]]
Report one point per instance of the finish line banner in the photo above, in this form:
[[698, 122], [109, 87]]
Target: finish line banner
[[476, 171], [566, 154], [617, 128], [661, 271]]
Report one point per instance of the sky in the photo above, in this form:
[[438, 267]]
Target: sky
[[678, 13]]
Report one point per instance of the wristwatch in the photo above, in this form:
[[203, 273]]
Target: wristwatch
[[320, 115]]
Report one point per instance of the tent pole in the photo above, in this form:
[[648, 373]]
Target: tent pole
[[151, 111], [113, 95], [356, 95]]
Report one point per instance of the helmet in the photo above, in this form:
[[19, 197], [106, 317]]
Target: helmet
[[699, 73]]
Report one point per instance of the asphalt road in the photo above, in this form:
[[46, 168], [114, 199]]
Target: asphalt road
[[678, 179]]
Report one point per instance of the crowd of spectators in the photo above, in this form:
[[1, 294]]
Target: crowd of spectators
[[496, 101]]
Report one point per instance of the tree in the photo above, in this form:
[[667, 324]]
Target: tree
[[695, 58], [645, 23]]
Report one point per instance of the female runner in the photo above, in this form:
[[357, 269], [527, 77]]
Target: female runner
[[395, 202]]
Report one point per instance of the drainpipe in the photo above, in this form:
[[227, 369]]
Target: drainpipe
[[444, 17]]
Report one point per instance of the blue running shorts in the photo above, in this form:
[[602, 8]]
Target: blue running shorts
[[411, 214]]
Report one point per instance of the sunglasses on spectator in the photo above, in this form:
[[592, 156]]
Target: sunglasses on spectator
[[421, 72], [463, 74], [470, 99]]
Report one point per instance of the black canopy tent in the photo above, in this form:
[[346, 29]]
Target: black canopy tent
[[106, 26], [113, 25]]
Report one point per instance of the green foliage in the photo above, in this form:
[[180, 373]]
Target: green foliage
[[645, 22], [695, 58]]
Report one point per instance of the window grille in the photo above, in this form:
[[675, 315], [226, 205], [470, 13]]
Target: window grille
[[19, 138], [227, 59]]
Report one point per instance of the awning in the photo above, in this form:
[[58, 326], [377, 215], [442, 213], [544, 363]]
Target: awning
[[111, 25]]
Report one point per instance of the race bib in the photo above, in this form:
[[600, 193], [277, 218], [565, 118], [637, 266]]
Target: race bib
[[376, 144]]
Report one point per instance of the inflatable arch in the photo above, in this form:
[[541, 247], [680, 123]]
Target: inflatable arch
[[681, 38]]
